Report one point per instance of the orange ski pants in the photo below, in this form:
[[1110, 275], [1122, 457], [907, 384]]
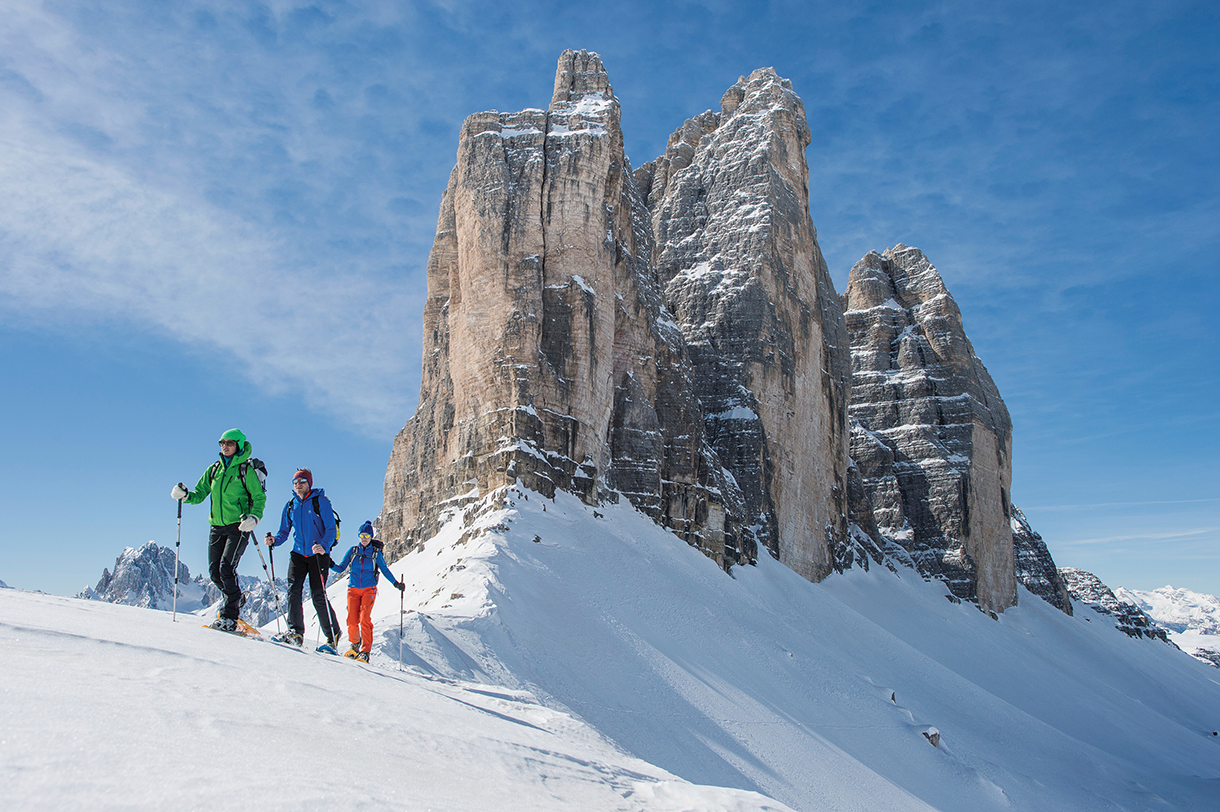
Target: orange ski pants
[[360, 617]]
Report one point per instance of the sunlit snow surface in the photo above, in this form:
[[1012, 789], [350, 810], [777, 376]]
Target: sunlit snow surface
[[533, 646]]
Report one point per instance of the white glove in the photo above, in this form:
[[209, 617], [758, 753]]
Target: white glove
[[247, 523], [179, 492]]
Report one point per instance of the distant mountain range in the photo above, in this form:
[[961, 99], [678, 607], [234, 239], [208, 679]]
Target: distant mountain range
[[144, 576], [1192, 619]]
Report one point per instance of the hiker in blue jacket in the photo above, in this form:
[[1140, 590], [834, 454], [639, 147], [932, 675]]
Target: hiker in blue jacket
[[311, 520], [365, 560]]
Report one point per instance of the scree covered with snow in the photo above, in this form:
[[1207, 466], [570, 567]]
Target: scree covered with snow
[[560, 656]]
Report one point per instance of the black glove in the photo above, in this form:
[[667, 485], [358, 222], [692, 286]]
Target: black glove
[[400, 586]]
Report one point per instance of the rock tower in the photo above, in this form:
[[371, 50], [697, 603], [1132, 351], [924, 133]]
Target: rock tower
[[933, 439], [705, 380], [738, 256]]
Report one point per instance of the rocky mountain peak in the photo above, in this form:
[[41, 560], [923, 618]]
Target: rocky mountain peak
[[934, 444], [549, 358], [144, 577], [580, 74], [765, 91], [744, 277], [669, 335]]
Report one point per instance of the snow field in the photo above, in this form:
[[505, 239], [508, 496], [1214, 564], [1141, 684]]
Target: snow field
[[767, 683], [114, 707], [558, 656]]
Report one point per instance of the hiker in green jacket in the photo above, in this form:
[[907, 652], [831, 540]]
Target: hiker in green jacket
[[238, 499]]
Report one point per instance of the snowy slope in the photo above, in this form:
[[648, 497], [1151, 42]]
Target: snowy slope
[[115, 707], [539, 631], [767, 682]]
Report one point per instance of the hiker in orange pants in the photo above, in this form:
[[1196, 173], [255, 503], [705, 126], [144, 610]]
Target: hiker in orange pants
[[367, 563], [360, 619]]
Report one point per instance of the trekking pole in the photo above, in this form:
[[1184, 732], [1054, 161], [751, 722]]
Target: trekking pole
[[177, 547], [402, 593], [270, 580]]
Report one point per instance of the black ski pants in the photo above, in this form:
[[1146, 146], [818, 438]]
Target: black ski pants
[[225, 545], [314, 568]]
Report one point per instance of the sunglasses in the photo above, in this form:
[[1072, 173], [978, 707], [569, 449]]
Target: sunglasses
[[300, 481], [366, 535], [228, 442]]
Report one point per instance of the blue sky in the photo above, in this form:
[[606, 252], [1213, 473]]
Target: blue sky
[[218, 214]]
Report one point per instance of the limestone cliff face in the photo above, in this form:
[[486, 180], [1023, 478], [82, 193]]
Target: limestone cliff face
[[705, 380], [548, 354], [738, 257], [1035, 568], [934, 441]]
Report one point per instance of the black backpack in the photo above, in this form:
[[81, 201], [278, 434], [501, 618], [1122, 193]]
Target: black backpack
[[260, 471], [317, 509], [376, 545]]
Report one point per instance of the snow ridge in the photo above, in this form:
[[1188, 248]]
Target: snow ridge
[[822, 696]]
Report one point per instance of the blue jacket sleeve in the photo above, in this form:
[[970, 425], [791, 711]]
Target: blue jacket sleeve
[[384, 569], [347, 559], [285, 525]]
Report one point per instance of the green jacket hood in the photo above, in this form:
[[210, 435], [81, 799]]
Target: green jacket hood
[[244, 451]]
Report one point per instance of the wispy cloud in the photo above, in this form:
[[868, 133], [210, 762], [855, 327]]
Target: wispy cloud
[[1123, 504], [308, 143], [86, 242], [1154, 537], [205, 175]]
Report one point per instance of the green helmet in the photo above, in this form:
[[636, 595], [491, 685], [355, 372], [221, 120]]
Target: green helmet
[[234, 434]]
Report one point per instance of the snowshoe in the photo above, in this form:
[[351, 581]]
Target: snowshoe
[[327, 648], [238, 627], [249, 631], [363, 656], [289, 637], [352, 652]]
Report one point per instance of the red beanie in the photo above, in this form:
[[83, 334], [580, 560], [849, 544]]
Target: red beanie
[[305, 474]]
